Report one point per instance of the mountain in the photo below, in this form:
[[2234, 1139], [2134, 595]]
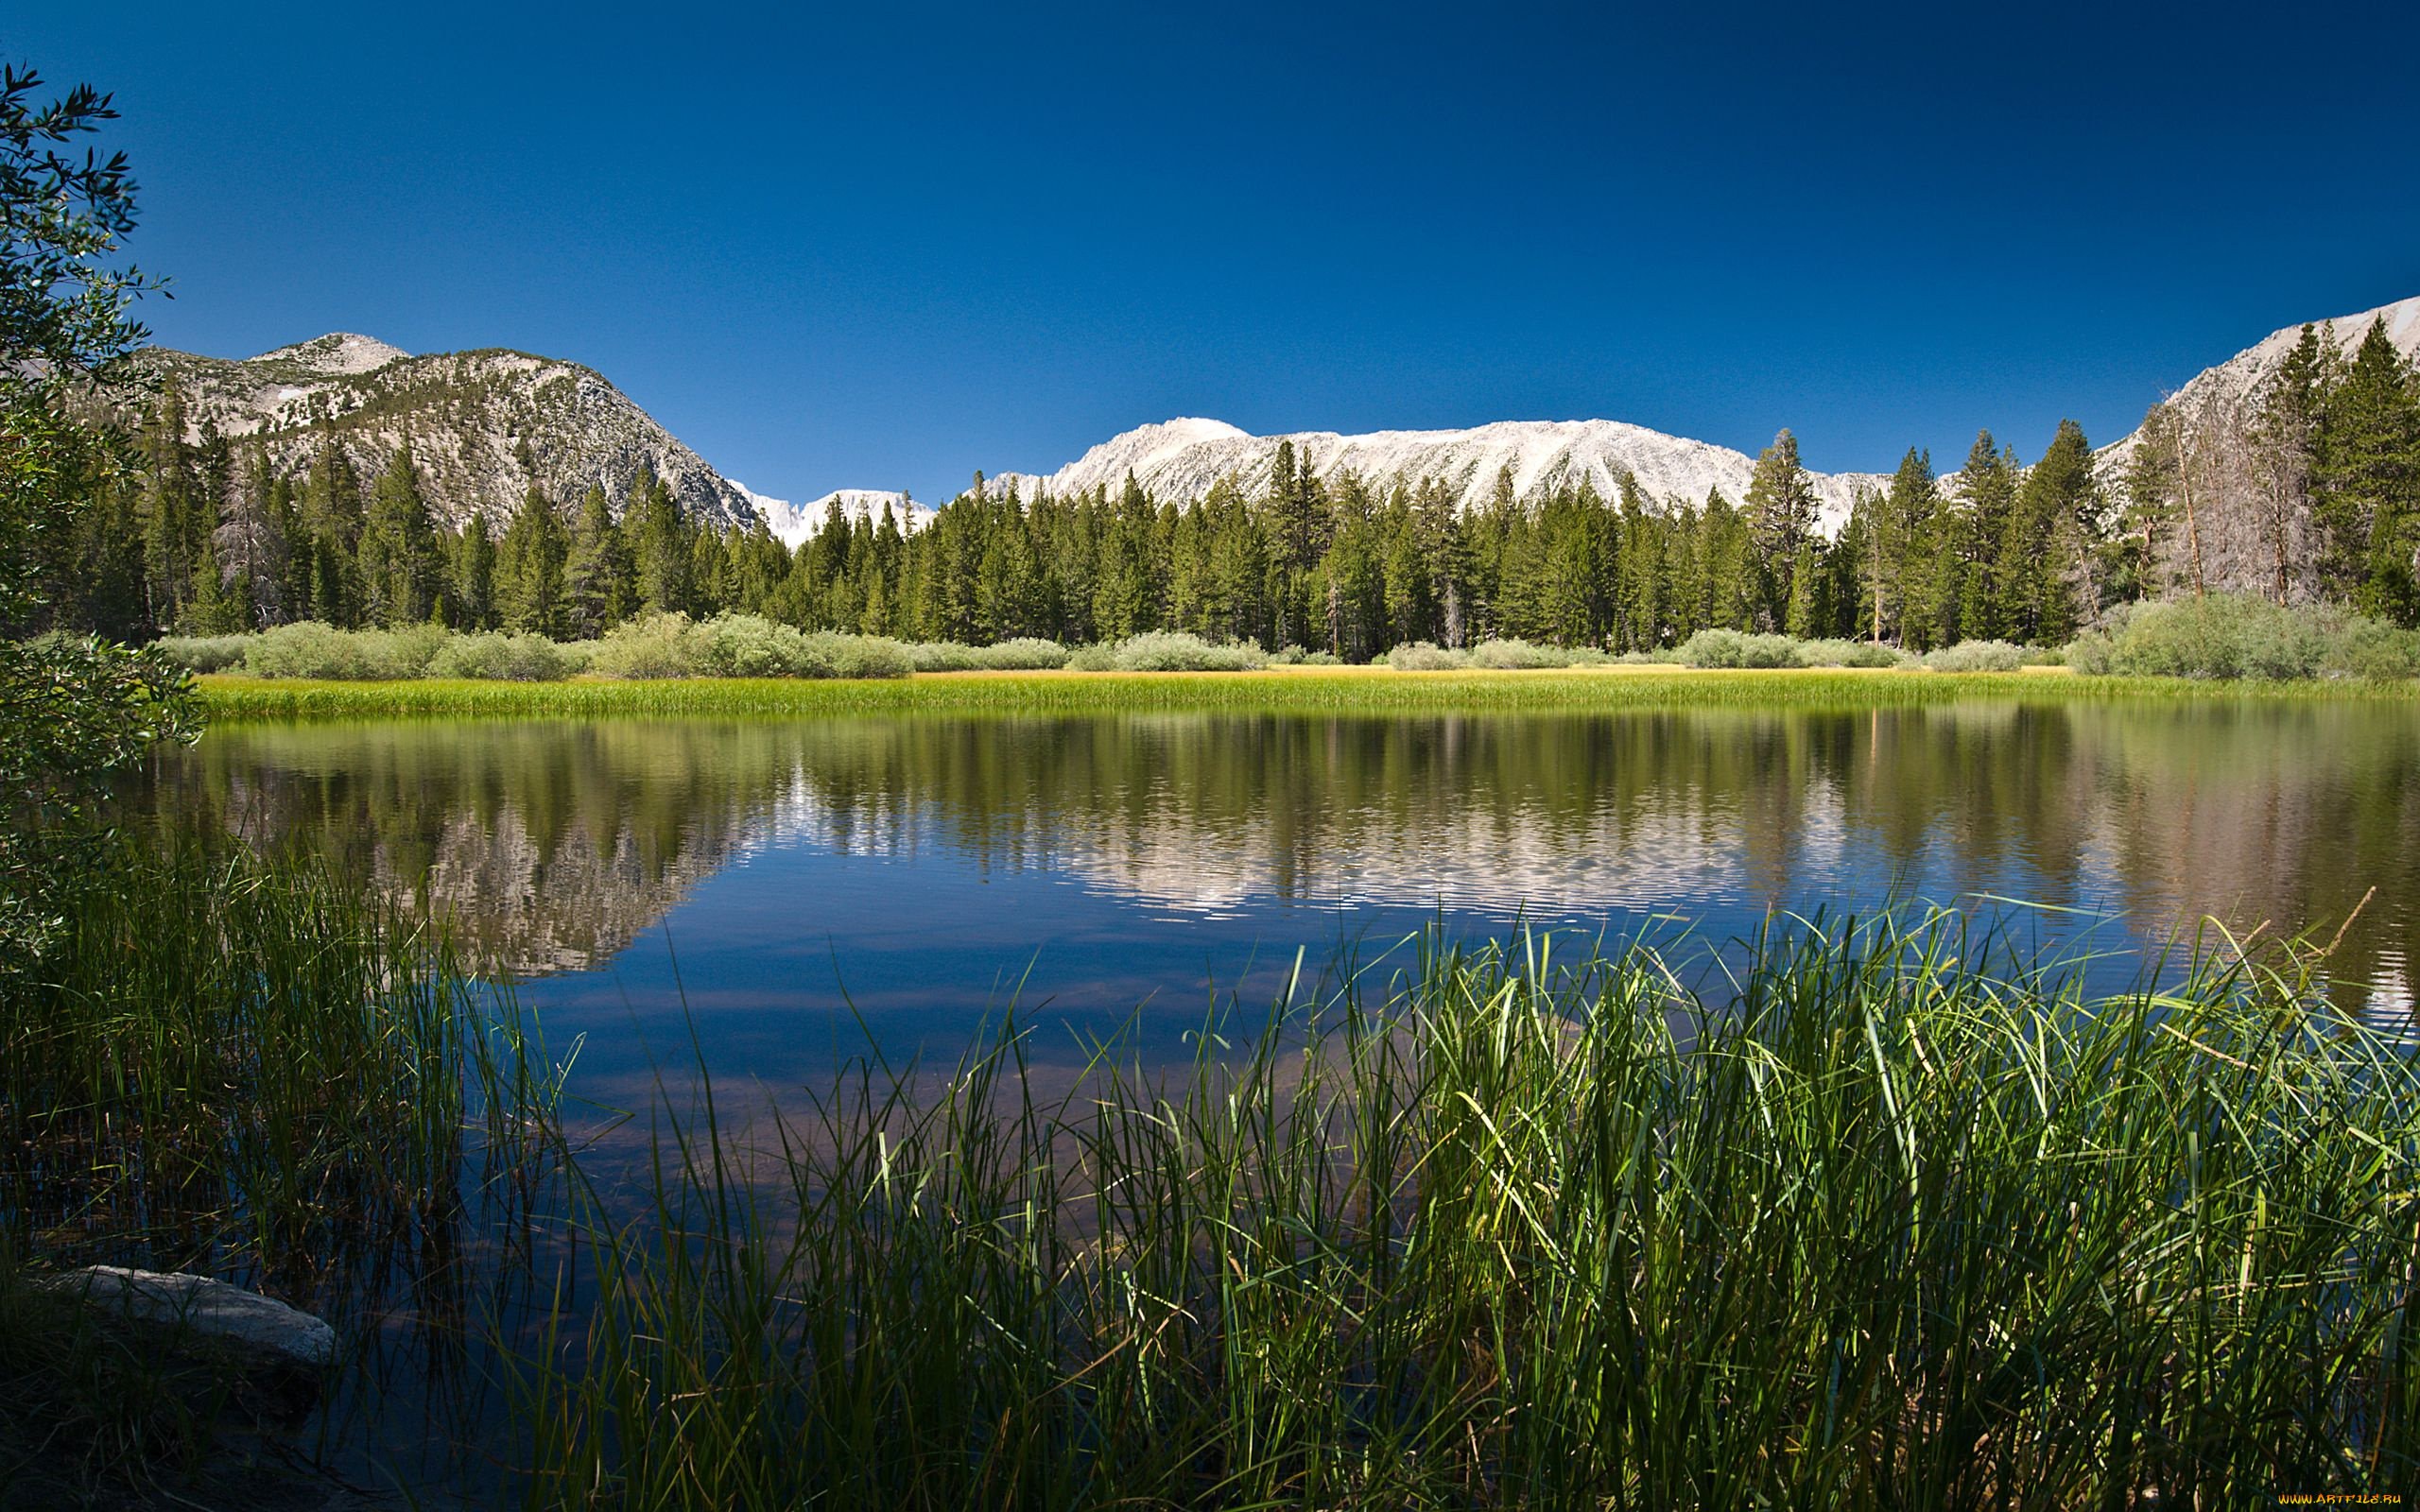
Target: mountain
[[467, 415], [2241, 375], [1181, 458], [794, 522]]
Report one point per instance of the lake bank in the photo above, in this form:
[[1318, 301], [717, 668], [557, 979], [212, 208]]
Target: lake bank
[[1279, 689]]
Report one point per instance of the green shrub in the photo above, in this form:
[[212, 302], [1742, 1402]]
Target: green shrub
[[2045, 655], [1027, 653], [749, 646], [1518, 655], [2239, 635], [1736, 648], [1178, 651], [205, 653], [654, 645], [309, 648], [1976, 655], [1421, 656], [832, 654], [944, 656], [1833, 653], [1096, 657], [497, 657]]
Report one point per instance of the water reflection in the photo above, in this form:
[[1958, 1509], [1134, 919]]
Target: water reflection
[[553, 845]]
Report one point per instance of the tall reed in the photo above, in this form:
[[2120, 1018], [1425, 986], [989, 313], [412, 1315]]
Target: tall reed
[[1888, 1215]]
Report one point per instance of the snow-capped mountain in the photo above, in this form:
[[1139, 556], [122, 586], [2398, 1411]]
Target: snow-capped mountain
[[794, 522], [2241, 375], [1181, 458], [482, 425]]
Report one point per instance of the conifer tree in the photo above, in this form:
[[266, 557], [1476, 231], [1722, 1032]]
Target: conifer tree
[[2042, 565], [398, 554], [474, 574], [1907, 534], [1727, 588], [661, 552], [598, 591], [530, 559], [1780, 514], [1987, 498], [2369, 481]]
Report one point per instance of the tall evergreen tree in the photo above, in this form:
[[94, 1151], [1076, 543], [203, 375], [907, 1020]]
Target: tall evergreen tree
[[530, 584], [2369, 481], [598, 589], [398, 554], [1986, 499], [1780, 513]]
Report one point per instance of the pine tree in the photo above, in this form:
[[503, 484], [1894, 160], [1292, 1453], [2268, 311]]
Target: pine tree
[[1907, 534], [2284, 439], [1726, 574], [475, 575], [529, 582], [173, 522], [1780, 515], [661, 552], [398, 554], [598, 591], [2041, 554], [328, 579], [2369, 481], [1987, 497]]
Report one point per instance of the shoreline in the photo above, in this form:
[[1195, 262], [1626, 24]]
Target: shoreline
[[1275, 690]]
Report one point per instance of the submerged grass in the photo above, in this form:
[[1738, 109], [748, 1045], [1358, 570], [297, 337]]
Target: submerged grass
[[243, 1068], [1308, 690], [1893, 1218]]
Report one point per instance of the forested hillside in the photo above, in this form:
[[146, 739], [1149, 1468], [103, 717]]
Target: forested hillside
[[2299, 481]]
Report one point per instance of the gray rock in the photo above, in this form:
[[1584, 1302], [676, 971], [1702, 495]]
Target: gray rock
[[212, 1311]]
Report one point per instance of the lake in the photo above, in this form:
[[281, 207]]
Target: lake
[[792, 887]]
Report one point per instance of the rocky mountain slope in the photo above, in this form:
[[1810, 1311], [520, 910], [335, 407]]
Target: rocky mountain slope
[[1181, 458], [468, 416], [2240, 376]]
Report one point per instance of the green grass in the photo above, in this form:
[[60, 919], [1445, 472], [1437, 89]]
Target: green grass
[[1374, 690], [242, 1067], [1891, 1219]]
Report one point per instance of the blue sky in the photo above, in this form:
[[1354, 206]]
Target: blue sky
[[880, 246]]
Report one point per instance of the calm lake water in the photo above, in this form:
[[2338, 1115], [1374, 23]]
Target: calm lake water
[[791, 880]]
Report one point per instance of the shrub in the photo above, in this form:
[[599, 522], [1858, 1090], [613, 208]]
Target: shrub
[[497, 657], [2045, 655], [1096, 657], [749, 646], [1421, 656], [656, 645], [1517, 655], [2366, 648], [1026, 653], [1976, 655], [1736, 648], [2239, 635], [1835, 653], [309, 648], [1322, 659], [944, 656], [832, 654], [1178, 651], [205, 653]]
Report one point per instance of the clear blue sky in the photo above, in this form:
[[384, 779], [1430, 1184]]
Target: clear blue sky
[[883, 246]]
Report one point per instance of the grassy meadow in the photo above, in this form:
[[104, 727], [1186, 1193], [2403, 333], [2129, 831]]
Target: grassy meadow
[[1279, 689]]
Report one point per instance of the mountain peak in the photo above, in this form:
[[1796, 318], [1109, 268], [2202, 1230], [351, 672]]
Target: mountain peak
[[338, 351]]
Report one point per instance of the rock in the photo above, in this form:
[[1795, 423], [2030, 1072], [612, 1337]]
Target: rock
[[210, 1312]]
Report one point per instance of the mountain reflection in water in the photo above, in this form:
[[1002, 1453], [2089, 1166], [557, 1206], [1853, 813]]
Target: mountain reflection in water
[[553, 845]]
